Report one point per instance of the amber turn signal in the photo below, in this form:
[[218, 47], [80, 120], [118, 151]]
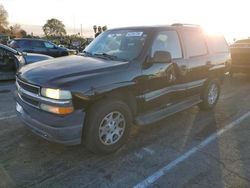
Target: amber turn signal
[[57, 110]]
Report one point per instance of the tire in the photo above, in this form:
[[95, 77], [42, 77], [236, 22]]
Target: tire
[[210, 95], [102, 136]]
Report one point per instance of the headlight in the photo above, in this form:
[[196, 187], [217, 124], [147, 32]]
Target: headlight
[[56, 93]]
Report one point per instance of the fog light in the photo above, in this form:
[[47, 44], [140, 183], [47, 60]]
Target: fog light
[[57, 110]]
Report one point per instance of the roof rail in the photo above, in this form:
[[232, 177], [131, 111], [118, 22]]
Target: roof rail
[[184, 24]]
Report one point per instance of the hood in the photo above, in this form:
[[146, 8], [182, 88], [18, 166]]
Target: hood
[[61, 71]]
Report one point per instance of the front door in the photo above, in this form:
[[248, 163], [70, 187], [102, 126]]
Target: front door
[[164, 83]]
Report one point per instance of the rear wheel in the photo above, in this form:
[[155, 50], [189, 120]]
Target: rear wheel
[[108, 125], [210, 95]]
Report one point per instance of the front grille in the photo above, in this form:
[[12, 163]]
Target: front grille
[[28, 87], [30, 94], [30, 101], [26, 91]]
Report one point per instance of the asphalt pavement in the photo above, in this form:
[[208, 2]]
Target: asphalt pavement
[[190, 149]]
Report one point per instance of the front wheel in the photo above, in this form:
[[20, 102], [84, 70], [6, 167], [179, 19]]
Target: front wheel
[[108, 126], [210, 95]]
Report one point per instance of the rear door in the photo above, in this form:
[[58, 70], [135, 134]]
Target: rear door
[[164, 83], [198, 59], [219, 52]]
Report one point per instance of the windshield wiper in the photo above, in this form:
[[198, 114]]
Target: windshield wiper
[[108, 56]]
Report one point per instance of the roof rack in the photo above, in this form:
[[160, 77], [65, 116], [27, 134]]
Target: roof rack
[[184, 24]]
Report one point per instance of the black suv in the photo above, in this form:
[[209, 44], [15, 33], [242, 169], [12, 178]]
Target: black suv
[[134, 75], [39, 46]]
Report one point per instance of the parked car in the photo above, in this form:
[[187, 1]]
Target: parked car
[[40, 46], [134, 75], [11, 60], [240, 53]]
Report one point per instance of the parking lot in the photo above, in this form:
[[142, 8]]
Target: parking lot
[[190, 149]]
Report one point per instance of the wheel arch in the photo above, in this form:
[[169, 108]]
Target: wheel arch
[[125, 96], [216, 74]]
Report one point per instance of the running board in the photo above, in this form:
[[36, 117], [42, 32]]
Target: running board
[[159, 114]]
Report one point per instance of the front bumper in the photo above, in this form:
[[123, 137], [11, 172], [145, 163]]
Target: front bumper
[[60, 129]]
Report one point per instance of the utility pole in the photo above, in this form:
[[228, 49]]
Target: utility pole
[[74, 20], [81, 30]]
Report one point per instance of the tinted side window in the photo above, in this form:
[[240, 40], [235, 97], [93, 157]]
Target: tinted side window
[[217, 44], [37, 44], [49, 45], [4, 52], [167, 41], [194, 42], [20, 44], [13, 44], [7, 60]]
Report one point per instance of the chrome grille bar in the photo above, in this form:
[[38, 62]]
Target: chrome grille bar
[[38, 98]]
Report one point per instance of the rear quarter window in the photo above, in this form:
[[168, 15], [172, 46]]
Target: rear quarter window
[[217, 44], [23, 43], [37, 44]]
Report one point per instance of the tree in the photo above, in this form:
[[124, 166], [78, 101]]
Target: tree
[[54, 27], [22, 33], [3, 19], [14, 30], [17, 31]]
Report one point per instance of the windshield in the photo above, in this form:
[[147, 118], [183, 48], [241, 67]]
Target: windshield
[[118, 44]]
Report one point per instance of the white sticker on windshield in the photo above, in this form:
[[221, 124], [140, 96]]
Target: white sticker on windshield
[[134, 34]]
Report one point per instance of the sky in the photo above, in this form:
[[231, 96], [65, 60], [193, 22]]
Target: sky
[[227, 17]]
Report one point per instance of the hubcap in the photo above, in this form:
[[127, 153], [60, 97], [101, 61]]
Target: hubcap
[[112, 128], [212, 94]]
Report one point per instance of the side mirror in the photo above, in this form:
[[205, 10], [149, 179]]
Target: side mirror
[[161, 57]]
